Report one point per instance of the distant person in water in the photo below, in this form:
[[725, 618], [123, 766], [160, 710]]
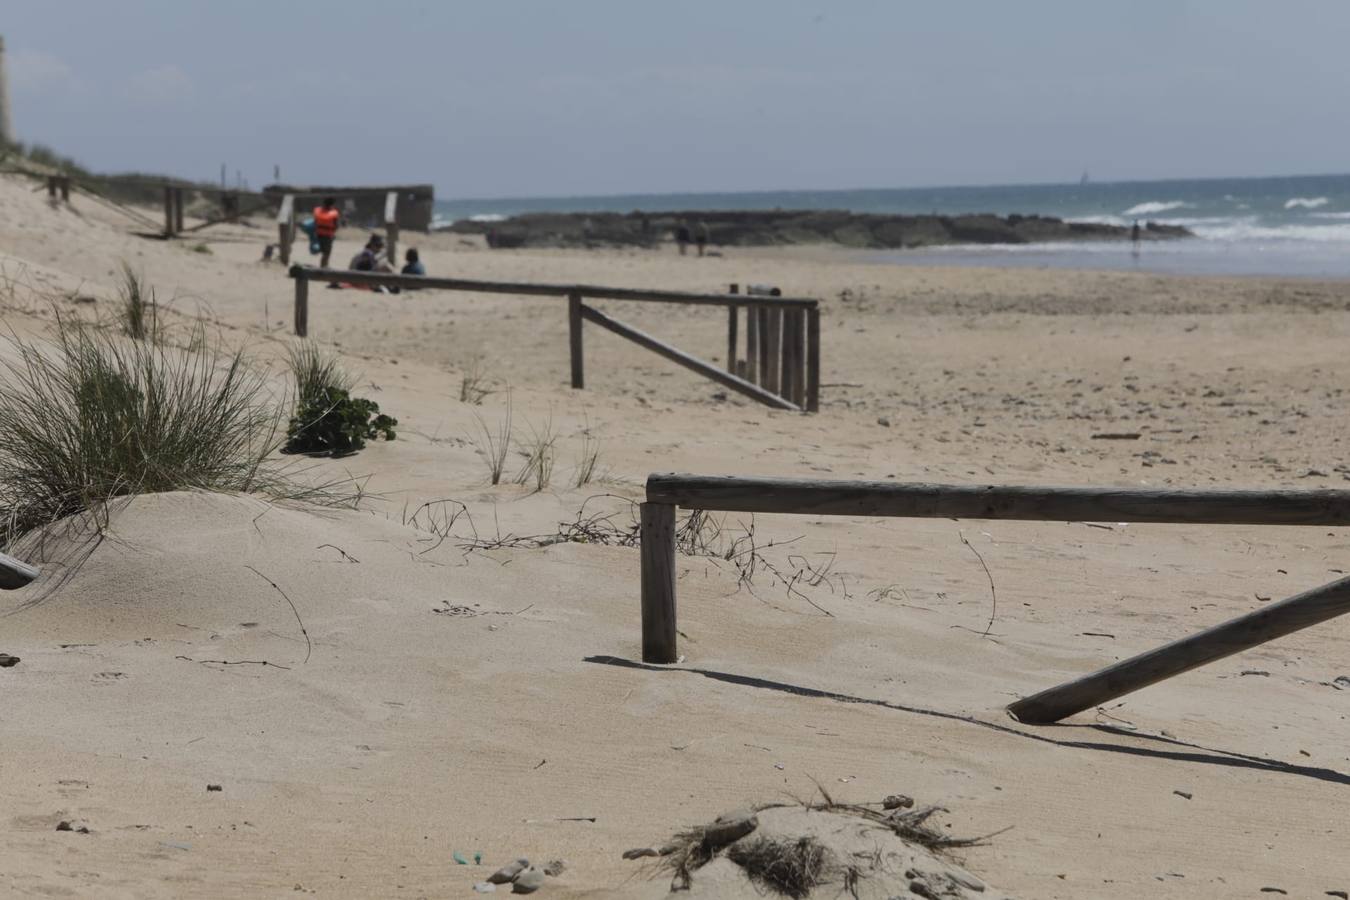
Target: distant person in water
[[701, 237], [326, 219], [1135, 235], [412, 263], [682, 237]]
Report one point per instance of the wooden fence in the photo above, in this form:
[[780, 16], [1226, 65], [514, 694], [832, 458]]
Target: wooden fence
[[787, 372], [667, 492]]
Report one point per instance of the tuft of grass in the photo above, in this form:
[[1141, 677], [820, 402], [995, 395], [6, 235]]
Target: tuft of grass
[[201, 247], [495, 444], [472, 384], [539, 452], [136, 308], [99, 417], [790, 867], [590, 458], [316, 372]]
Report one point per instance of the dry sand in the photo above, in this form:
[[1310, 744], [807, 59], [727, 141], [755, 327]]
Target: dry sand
[[491, 701]]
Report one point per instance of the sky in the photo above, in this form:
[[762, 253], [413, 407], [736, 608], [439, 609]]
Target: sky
[[507, 98]]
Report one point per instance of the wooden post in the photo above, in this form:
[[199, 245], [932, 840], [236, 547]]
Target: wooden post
[[752, 344], [1234, 636], [15, 573], [785, 360], [169, 219], [65, 188], [658, 583], [763, 314], [178, 210], [301, 306], [774, 350], [813, 359], [51, 188], [285, 229], [391, 242], [799, 358], [733, 325], [574, 322]]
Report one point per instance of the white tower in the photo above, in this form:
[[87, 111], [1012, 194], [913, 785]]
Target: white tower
[[6, 127]]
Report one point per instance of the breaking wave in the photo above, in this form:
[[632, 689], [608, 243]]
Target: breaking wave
[[1153, 207], [1305, 202]]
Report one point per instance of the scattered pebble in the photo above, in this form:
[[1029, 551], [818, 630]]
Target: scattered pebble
[[730, 827], [639, 853], [555, 868], [507, 873], [884, 422], [6, 660], [485, 887], [1273, 890], [64, 825], [214, 787], [1182, 794], [1342, 894], [898, 801], [529, 881]]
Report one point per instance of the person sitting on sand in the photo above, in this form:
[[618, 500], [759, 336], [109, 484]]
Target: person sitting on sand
[[368, 260], [413, 263]]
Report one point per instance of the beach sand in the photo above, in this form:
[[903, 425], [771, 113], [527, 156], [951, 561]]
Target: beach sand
[[442, 701]]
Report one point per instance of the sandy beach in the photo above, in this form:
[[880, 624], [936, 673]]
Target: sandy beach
[[457, 691]]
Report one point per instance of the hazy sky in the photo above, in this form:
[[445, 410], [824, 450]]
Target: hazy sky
[[501, 98]]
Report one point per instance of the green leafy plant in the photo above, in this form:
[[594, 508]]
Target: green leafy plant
[[333, 421], [328, 419]]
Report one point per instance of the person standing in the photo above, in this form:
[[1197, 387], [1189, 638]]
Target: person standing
[[682, 237], [701, 236], [326, 217], [1135, 236]]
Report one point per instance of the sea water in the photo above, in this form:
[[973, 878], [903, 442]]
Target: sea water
[[1287, 226]]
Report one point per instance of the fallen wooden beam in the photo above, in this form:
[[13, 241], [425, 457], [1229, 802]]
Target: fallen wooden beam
[[1234, 636]]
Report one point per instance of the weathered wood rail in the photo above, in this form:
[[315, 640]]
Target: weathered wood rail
[[668, 492], [15, 573], [796, 372]]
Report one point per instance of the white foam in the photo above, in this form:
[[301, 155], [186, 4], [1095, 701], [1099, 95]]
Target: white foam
[[1153, 207], [1246, 230], [488, 217], [1330, 215], [1306, 202]]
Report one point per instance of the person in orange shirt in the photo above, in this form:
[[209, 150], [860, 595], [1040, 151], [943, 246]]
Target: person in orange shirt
[[325, 228]]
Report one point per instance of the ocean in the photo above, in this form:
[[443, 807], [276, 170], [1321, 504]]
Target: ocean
[[1287, 226]]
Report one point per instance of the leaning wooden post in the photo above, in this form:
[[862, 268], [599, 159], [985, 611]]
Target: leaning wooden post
[[391, 229], [1234, 636], [301, 304], [752, 344], [51, 188], [658, 583], [178, 210], [813, 359], [574, 339], [65, 188], [168, 211]]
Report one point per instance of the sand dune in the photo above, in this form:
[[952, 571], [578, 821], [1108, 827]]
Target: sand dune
[[447, 699]]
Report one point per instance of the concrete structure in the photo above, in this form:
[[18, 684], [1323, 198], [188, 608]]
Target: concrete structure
[[6, 125]]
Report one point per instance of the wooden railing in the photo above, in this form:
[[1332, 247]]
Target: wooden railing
[[666, 493], [795, 364]]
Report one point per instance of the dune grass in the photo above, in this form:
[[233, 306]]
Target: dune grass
[[136, 308], [97, 416], [316, 372]]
